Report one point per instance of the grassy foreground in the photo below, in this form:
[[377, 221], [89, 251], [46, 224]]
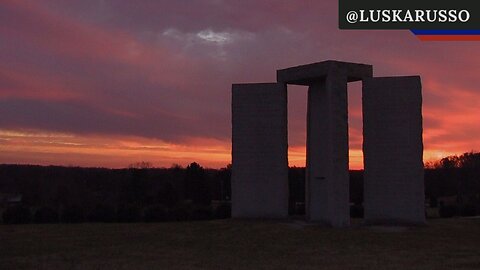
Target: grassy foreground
[[234, 244]]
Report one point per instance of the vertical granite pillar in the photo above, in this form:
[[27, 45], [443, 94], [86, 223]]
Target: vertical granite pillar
[[393, 149], [327, 182], [259, 151], [327, 177]]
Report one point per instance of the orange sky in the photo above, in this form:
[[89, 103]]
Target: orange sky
[[118, 152], [110, 83]]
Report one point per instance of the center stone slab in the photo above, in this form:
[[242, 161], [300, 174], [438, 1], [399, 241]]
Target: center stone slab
[[327, 176]]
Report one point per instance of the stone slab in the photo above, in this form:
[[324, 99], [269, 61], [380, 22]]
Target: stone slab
[[308, 74], [259, 151], [393, 150], [327, 178]]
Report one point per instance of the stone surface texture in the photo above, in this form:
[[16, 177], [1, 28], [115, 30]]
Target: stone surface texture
[[259, 151], [393, 150], [327, 176]]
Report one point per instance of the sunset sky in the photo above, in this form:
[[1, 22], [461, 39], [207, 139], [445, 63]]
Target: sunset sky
[[107, 83]]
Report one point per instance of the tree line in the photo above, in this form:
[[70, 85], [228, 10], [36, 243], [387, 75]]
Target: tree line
[[141, 193]]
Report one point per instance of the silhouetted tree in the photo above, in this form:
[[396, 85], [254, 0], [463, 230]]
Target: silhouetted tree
[[62, 196], [196, 184], [135, 190], [168, 195], [224, 176], [141, 165], [470, 160]]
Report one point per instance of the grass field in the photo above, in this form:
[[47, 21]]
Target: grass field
[[234, 244]]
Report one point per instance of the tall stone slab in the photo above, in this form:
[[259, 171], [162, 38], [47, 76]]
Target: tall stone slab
[[259, 151], [327, 176], [393, 149], [327, 151]]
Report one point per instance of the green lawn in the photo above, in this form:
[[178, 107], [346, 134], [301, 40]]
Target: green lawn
[[234, 244]]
